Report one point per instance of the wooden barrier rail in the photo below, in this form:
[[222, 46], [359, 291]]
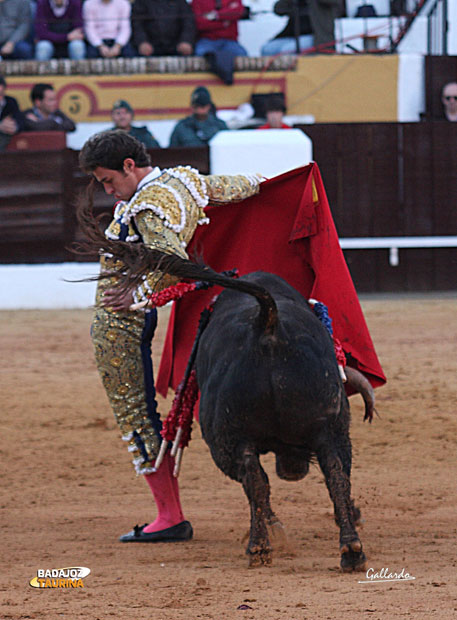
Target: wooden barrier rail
[[38, 195], [392, 180], [383, 180]]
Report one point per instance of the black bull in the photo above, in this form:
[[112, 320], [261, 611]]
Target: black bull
[[269, 382]]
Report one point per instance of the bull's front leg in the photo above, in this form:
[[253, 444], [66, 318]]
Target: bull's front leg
[[339, 487], [257, 489]]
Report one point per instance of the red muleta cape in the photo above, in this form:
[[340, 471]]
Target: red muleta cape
[[286, 229]]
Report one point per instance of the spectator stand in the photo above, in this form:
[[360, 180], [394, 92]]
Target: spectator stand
[[38, 193], [366, 26]]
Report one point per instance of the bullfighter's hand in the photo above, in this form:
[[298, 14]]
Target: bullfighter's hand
[[141, 305], [118, 300]]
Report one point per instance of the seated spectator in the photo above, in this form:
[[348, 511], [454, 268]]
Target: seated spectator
[[285, 42], [11, 118], [217, 34], [45, 116], [323, 14], [315, 27], [122, 115], [275, 110], [198, 128], [449, 100], [163, 27], [108, 29], [15, 25], [59, 30]]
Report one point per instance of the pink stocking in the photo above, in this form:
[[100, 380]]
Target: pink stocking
[[164, 487]]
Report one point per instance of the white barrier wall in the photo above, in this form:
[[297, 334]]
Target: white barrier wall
[[45, 286], [410, 91], [269, 152]]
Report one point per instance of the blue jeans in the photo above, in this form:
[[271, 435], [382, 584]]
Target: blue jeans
[[45, 50], [23, 50], [205, 46], [221, 54], [287, 45]]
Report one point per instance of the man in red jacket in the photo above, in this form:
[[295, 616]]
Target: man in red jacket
[[217, 34]]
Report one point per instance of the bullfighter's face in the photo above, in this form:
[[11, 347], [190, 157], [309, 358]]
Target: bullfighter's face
[[121, 184]]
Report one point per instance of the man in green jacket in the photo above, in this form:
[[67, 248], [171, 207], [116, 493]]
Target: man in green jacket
[[122, 115], [198, 128]]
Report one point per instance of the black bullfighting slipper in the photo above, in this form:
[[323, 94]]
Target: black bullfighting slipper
[[177, 533]]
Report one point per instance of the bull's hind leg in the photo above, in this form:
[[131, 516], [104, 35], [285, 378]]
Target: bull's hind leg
[[256, 486], [332, 462]]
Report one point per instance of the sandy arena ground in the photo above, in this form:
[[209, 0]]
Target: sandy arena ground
[[69, 491]]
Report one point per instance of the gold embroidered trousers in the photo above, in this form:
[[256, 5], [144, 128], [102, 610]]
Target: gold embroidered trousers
[[122, 350]]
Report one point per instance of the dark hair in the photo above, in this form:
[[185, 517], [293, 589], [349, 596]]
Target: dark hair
[[2, 81], [109, 149], [38, 91], [275, 104]]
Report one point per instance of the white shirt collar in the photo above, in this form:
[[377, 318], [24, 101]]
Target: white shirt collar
[[149, 177]]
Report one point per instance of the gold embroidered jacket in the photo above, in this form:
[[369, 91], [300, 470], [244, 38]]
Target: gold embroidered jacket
[[165, 212]]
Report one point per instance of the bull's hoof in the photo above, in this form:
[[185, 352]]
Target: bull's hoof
[[260, 558], [355, 545], [352, 557]]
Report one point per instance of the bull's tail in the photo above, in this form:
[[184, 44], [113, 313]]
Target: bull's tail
[[138, 260], [186, 269]]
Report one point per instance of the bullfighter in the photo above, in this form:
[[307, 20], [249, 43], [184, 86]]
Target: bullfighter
[[161, 208]]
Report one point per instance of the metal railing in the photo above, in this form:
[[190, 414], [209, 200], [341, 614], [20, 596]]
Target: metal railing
[[436, 12], [437, 27]]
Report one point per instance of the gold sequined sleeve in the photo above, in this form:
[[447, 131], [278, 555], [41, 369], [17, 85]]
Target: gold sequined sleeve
[[159, 237], [227, 188]]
